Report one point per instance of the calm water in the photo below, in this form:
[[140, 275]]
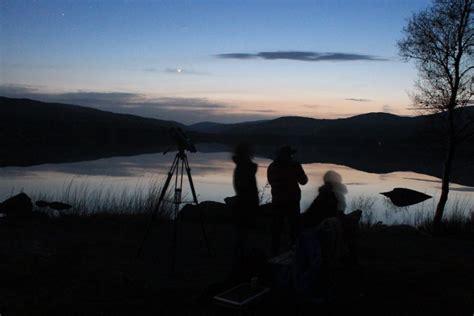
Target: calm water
[[212, 174]]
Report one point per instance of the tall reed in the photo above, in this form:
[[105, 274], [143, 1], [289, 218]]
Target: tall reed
[[87, 199]]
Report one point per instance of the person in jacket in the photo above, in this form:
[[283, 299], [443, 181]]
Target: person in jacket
[[285, 175], [245, 204], [330, 201]]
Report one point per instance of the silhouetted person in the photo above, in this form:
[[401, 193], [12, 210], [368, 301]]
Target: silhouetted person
[[246, 202], [326, 260], [330, 201], [329, 205], [285, 175]]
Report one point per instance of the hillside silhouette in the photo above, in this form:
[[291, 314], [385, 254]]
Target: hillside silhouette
[[34, 132], [372, 129]]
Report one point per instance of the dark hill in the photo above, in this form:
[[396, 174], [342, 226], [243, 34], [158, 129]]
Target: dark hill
[[212, 127], [366, 129], [33, 131], [371, 129]]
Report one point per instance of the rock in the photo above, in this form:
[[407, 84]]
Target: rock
[[217, 212], [59, 206], [42, 204], [18, 206], [211, 212]]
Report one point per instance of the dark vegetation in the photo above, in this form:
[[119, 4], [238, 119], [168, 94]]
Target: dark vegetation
[[86, 265]]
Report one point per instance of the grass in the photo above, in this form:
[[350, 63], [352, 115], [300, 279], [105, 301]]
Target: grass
[[366, 204], [89, 201], [456, 223], [85, 261], [458, 218]]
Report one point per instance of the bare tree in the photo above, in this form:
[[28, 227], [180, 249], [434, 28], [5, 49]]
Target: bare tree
[[441, 41]]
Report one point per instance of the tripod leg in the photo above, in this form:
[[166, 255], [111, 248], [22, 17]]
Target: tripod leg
[[177, 203], [158, 204], [201, 218]]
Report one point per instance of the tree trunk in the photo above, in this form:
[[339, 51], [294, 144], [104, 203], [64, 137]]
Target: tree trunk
[[446, 175]]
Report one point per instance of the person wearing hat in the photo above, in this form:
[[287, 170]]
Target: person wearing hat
[[284, 176]]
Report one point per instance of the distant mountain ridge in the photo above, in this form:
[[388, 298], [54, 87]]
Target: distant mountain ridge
[[364, 129], [213, 127], [298, 125], [371, 128], [33, 132]]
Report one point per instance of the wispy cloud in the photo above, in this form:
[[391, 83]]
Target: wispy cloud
[[358, 100], [152, 69], [315, 106], [302, 56], [386, 108], [185, 110]]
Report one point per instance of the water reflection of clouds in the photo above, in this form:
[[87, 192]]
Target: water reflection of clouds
[[134, 166], [460, 189], [16, 172], [424, 180], [212, 173]]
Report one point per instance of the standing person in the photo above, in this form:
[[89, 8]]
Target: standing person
[[285, 175], [246, 201]]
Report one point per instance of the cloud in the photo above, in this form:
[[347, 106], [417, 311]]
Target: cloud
[[358, 100], [302, 56], [260, 111], [388, 109], [314, 106], [151, 69], [14, 89], [185, 110]]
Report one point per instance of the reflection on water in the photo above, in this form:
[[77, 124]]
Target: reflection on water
[[212, 174]]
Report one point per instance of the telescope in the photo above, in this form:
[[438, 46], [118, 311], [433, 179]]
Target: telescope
[[178, 167], [183, 142]]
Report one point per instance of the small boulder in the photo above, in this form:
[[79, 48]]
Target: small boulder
[[18, 206], [211, 212]]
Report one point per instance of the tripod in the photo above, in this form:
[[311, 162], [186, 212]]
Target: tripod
[[180, 163]]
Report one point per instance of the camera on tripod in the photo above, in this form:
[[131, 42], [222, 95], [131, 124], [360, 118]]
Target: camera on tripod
[[179, 169], [183, 142]]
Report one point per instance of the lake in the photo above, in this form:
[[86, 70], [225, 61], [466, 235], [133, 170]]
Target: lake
[[212, 174]]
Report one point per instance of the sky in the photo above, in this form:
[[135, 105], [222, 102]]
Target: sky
[[223, 60]]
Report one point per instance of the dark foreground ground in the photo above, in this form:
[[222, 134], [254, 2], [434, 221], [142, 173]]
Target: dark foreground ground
[[87, 266]]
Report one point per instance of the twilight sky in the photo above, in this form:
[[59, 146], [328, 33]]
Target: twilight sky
[[220, 60]]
